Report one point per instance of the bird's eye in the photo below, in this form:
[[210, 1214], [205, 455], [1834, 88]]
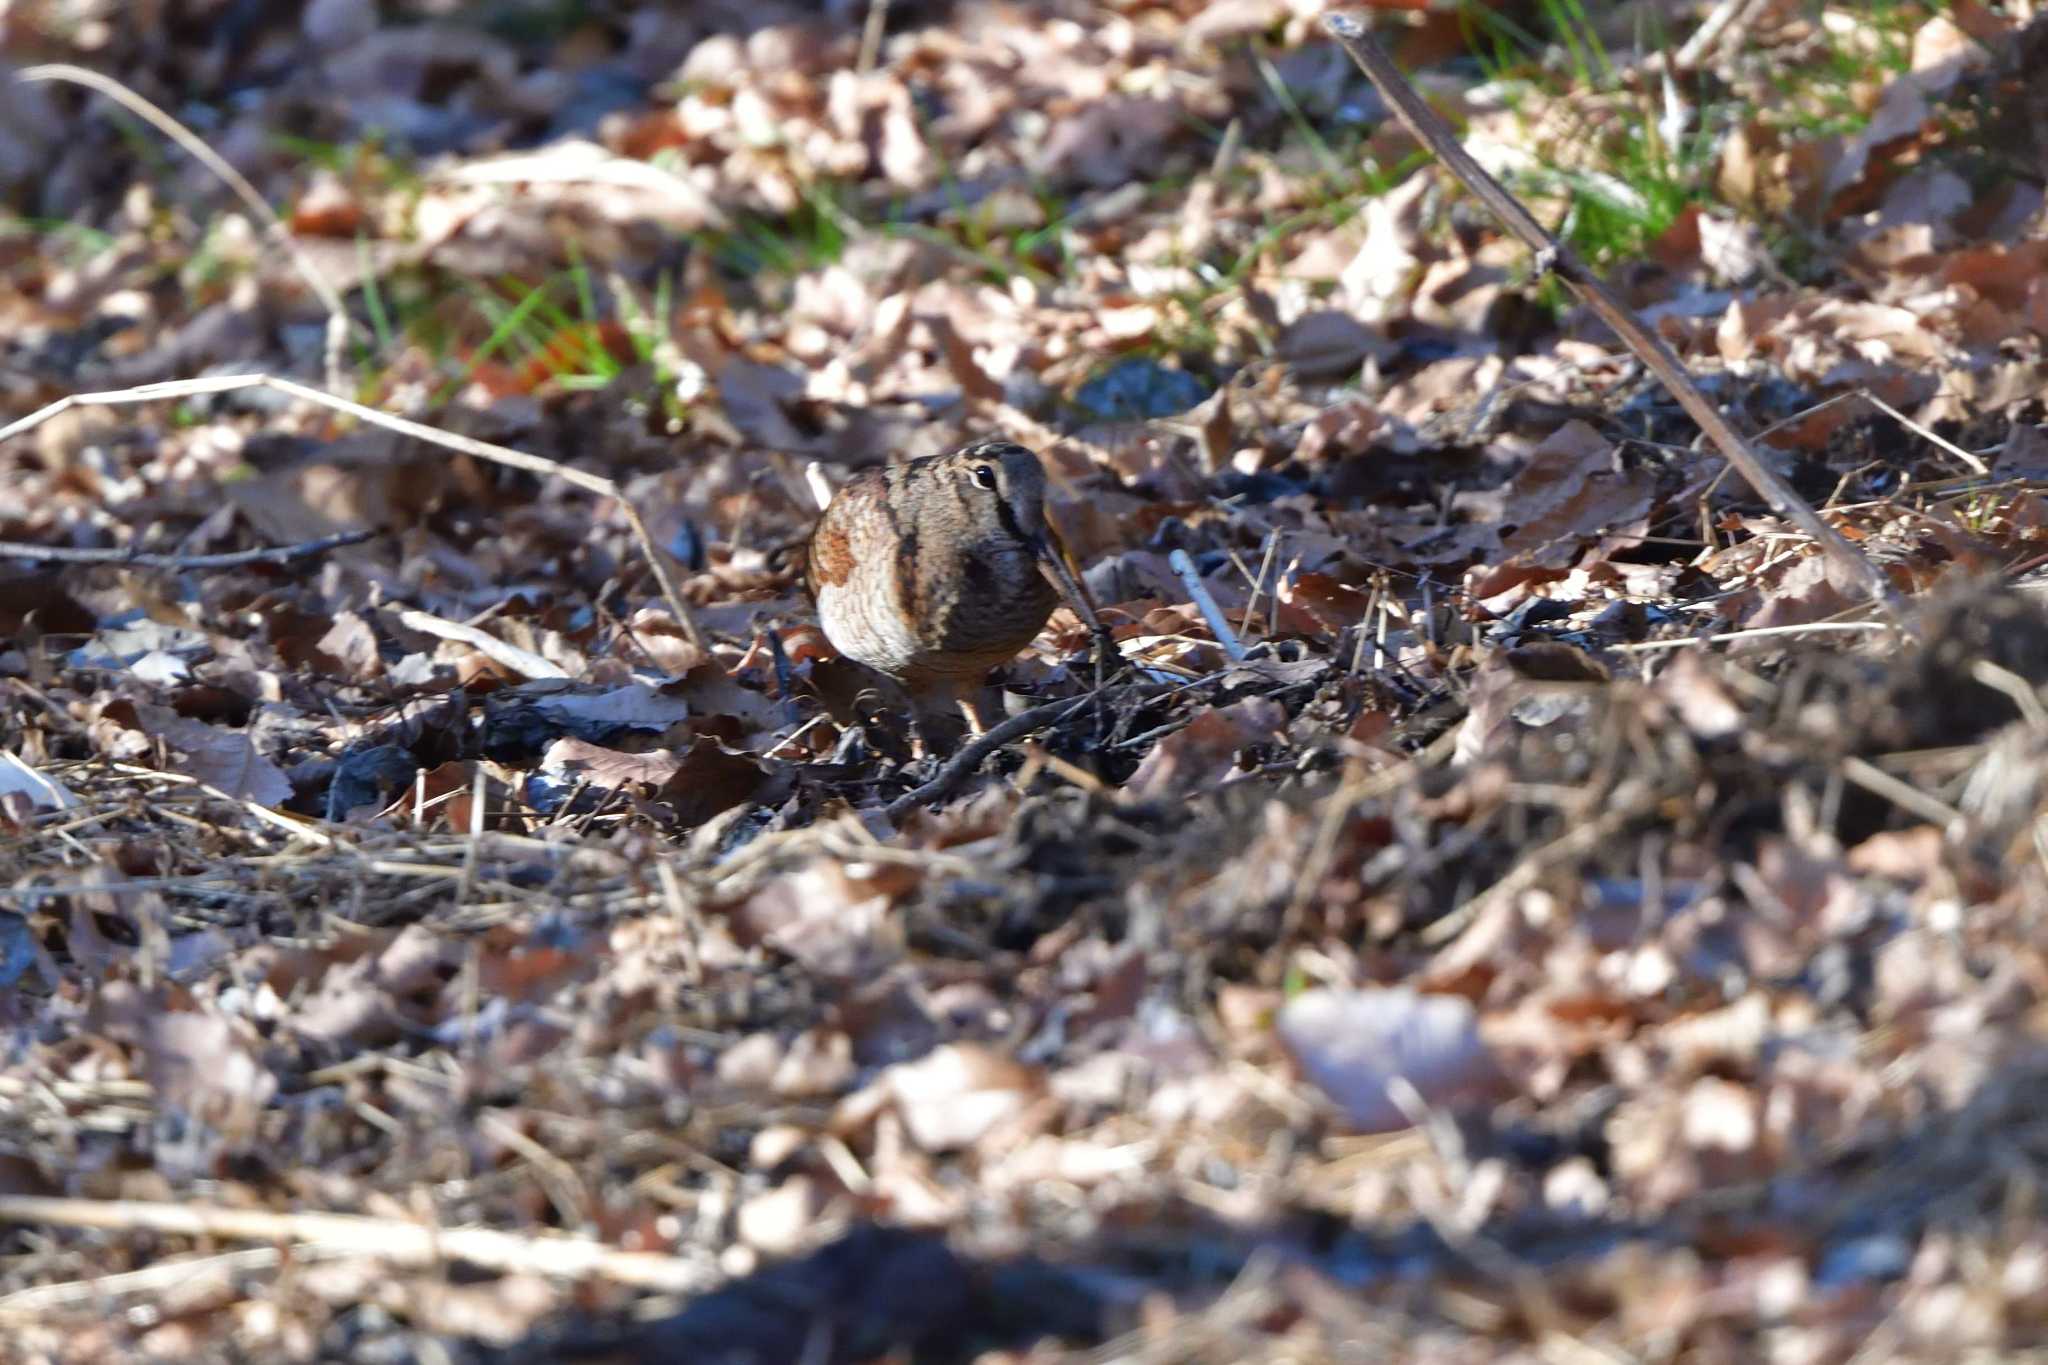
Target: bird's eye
[[985, 476]]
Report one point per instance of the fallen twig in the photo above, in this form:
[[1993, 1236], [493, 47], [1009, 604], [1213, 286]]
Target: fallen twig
[[338, 321], [968, 759], [1526, 872], [467, 445], [1726, 18], [1249, 620], [269, 554], [388, 1239], [524, 662], [1756, 633], [2022, 692], [1553, 255], [1901, 793], [1219, 624], [871, 34], [298, 826], [37, 1301], [1975, 463], [1342, 804]]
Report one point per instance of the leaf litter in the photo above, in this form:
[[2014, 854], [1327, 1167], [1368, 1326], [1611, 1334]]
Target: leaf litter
[[1573, 925]]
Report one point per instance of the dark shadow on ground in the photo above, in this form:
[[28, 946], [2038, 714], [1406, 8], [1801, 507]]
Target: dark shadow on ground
[[888, 1293], [877, 1291]]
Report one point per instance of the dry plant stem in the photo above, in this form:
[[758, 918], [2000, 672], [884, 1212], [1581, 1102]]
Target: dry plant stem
[[1525, 873], [338, 324], [296, 825], [46, 1298], [2023, 693], [1900, 793], [172, 1275], [1074, 773], [524, 662], [871, 34], [1322, 852], [1251, 607], [1210, 1333], [387, 1239], [274, 554], [467, 445], [1759, 633], [1723, 20], [1974, 463], [1553, 255], [969, 758]]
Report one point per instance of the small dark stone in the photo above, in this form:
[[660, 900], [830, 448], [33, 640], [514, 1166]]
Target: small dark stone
[[369, 777], [1137, 388]]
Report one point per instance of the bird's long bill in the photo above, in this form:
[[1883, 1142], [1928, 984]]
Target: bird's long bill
[[1053, 561]]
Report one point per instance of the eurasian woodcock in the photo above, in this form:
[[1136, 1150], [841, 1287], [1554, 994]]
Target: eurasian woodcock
[[935, 570]]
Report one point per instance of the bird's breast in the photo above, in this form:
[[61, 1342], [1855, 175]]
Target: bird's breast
[[921, 586]]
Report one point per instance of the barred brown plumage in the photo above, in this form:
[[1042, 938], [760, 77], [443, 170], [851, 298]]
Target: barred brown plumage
[[933, 571]]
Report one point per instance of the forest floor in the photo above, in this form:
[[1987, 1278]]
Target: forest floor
[[1516, 904]]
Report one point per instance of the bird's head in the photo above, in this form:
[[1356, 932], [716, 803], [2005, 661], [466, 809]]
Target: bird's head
[[1004, 485]]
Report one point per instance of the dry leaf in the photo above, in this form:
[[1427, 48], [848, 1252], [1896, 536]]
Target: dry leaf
[[1361, 1048]]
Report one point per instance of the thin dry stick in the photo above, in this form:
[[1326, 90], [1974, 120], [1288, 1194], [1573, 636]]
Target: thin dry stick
[[1251, 607], [871, 34], [524, 662], [1075, 774], [467, 445], [1199, 1335], [685, 914], [1553, 255], [273, 554], [388, 1239], [338, 323], [969, 758], [1431, 1198], [1355, 792], [297, 825], [1900, 793], [1708, 36], [1530, 869], [41, 1299], [1219, 625], [2021, 691], [467, 885], [1758, 633], [558, 1177], [1363, 631], [1975, 463]]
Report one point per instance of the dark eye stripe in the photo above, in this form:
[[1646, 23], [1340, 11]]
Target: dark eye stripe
[[1009, 520]]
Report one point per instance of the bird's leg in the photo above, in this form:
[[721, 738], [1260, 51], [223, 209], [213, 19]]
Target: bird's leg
[[970, 710], [1108, 658], [936, 710]]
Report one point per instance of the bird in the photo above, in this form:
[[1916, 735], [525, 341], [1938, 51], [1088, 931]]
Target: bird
[[933, 571]]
